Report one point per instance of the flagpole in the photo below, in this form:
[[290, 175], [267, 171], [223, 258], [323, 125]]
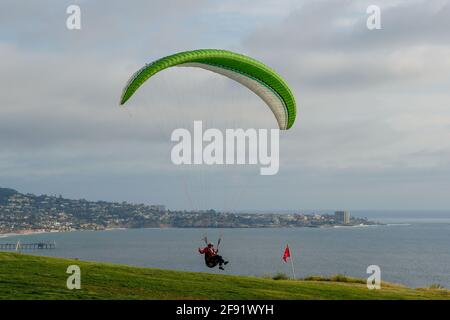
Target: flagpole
[[292, 264]]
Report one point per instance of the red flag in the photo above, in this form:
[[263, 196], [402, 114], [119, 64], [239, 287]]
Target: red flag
[[287, 254]]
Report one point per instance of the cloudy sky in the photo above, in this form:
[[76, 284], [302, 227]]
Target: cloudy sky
[[373, 126]]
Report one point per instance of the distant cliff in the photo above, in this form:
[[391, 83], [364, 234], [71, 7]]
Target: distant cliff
[[28, 212]]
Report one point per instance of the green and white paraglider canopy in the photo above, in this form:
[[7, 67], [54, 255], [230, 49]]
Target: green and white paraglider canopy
[[256, 76]]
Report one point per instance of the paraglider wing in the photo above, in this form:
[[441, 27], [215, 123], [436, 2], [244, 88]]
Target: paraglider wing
[[254, 75]]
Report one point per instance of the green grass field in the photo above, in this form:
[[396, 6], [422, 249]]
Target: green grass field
[[32, 277]]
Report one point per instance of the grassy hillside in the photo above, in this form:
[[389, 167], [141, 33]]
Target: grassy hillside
[[30, 277]]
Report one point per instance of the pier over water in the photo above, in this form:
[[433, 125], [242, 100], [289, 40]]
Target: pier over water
[[27, 246]]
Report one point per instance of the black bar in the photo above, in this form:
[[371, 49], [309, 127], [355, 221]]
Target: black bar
[[281, 309]]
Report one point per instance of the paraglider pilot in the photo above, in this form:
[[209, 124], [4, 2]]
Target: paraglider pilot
[[212, 258]]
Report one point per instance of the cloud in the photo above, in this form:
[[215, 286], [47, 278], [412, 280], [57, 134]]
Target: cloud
[[323, 52], [373, 126]]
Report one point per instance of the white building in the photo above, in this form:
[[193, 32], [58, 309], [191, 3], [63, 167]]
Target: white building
[[342, 217]]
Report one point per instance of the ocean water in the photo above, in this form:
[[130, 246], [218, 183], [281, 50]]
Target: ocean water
[[410, 252]]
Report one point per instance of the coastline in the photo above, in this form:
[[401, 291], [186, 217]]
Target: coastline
[[13, 234], [29, 232]]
